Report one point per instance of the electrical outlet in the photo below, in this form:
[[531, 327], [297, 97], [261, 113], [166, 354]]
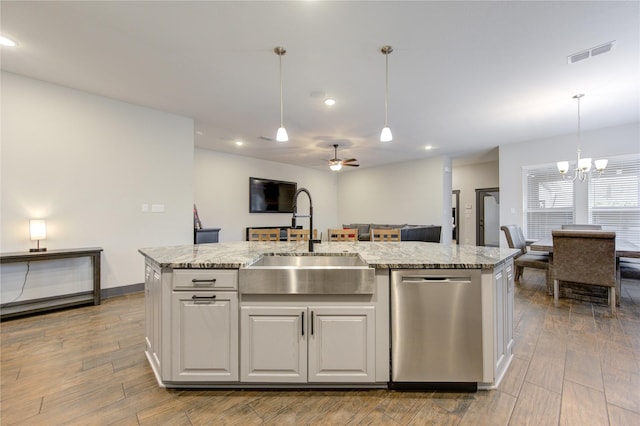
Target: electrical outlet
[[157, 208], [145, 208]]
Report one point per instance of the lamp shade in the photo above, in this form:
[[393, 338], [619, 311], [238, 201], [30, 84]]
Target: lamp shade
[[37, 229], [385, 135], [281, 135], [336, 167], [584, 164], [563, 166], [601, 164]]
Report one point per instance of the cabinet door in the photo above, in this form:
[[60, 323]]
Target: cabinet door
[[273, 344], [508, 324], [499, 322], [342, 344], [148, 309], [205, 336]]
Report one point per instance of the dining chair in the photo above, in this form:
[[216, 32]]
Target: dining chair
[[385, 235], [577, 226], [272, 234], [585, 257], [526, 259], [343, 235], [300, 234]]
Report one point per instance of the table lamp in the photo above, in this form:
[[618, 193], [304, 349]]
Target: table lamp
[[38, 231]]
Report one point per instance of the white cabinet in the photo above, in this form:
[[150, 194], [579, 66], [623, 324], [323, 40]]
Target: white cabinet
[[153, 320], [307, 343], [273, 344], [342, 344], [498, 299], [201, 326], [205, 336]]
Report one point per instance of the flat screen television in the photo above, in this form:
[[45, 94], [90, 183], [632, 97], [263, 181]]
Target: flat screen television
[[271, 196]]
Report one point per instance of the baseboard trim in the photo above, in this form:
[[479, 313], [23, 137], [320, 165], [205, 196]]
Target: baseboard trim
[[106, 293]]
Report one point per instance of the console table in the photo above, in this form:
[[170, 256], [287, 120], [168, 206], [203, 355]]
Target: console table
[[8, 310]]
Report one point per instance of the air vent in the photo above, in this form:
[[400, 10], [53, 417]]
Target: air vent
[[594, 51]]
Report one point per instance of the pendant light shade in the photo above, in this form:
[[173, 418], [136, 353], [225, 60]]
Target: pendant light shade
[[281, 135], [385, 135]]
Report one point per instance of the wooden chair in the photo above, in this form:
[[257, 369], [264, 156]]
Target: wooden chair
[[272, 234], [343, 235], [585, 257], [526, 259], [300, 234], [385, 235]]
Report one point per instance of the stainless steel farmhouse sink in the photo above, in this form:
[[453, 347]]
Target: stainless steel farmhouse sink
[[316, 274]]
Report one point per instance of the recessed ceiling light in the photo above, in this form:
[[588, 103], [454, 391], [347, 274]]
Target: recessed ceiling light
[[239, 143], [428, 147], [4, 41], [199, 132], [329, 101]]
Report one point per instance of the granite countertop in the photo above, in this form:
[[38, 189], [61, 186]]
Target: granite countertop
[[407, 254]]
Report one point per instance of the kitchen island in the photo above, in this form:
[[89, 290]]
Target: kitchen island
[[203, 329]]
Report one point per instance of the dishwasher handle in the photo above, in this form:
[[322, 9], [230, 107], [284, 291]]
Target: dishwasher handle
[[434, 279]]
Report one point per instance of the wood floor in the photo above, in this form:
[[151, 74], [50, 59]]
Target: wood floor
[[573, 365]]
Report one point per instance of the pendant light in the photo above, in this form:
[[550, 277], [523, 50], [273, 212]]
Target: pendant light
[[385, 135], [583, 165], [281, 136]]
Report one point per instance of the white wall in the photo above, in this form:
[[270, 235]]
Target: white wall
[[86, 164], [601, 143], [413, 192], [468, 178], [221, 184]]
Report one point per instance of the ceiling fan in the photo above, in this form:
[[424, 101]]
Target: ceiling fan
[[336, 163]]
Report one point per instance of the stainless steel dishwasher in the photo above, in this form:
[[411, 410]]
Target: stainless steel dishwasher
[[436, 329]]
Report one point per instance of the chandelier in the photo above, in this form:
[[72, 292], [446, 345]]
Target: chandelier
[[583, 165]]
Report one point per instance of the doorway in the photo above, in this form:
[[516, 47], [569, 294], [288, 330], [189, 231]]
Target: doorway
[[488, 217]]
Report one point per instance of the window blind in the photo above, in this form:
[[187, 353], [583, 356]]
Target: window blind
[[614, 197], [549, 200]]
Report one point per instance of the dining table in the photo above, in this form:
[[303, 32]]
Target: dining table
[[624, 248]]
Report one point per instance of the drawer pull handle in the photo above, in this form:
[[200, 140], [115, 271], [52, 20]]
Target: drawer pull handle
[[196, 298], [201, 281]]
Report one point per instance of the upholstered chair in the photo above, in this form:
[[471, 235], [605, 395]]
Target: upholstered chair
[[585, 257], [385, 235], [584, 227], [526, 259]]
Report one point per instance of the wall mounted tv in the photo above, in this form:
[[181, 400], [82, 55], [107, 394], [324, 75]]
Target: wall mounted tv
[[271, 196]]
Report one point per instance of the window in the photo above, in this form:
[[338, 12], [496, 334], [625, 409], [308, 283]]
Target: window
[[614, 197], [549, 201]]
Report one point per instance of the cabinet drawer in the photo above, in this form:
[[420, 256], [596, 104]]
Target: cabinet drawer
[[205, 279]]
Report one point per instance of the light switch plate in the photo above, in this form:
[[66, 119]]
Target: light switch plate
[[145, 208], [157, 208]]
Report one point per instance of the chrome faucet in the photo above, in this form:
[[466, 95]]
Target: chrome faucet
[[310, 216]]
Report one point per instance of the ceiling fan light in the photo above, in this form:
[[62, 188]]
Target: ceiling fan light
[[336, 167], [385, 135], [282, 136], [563, 167]]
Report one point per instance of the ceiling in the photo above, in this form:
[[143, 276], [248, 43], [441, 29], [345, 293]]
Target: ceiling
[[464, 77]]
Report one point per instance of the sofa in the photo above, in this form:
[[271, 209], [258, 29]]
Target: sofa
[[427, 233]]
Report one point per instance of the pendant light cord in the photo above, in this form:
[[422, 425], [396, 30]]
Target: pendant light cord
[[281, 107], [386, 90], [579, 126]]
